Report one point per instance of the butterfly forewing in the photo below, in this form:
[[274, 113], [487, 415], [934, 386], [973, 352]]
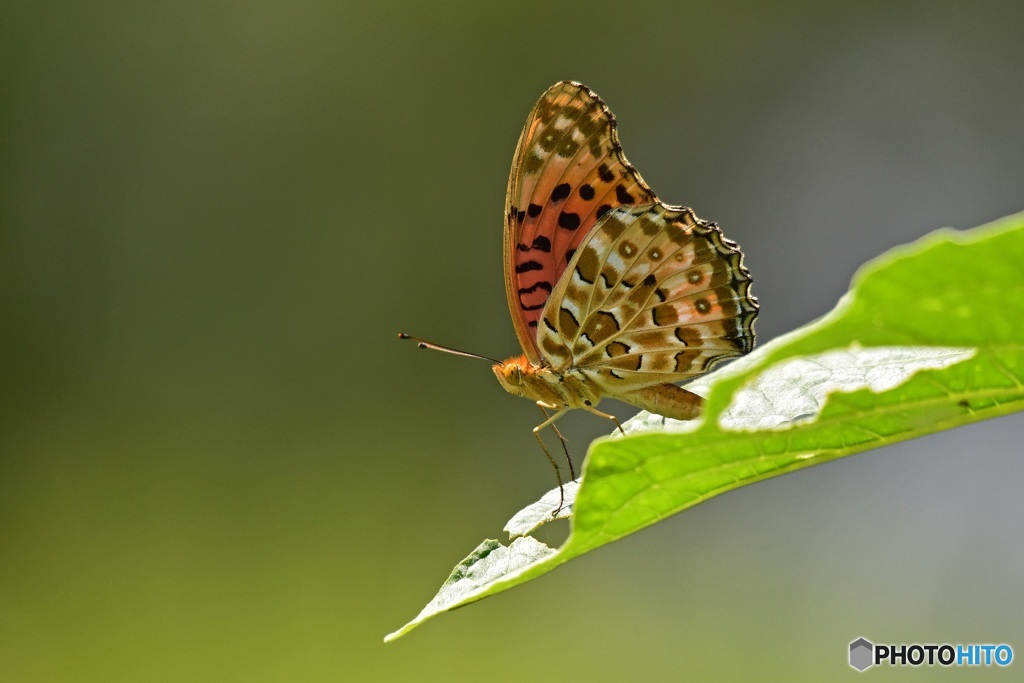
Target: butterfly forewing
[[654, 295], [568, 172]]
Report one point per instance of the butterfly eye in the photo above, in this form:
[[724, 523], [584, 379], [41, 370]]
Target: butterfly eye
[[514, 375]]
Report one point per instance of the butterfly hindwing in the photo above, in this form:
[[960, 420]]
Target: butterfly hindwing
[[567, 173], [654, 295]]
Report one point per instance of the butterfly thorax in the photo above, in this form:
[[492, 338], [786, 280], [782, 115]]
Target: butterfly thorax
[[555, 389]]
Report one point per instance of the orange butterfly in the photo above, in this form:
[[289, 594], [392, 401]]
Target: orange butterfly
[[612, 292]]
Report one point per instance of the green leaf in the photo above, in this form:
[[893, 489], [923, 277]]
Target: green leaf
[[930, 336]]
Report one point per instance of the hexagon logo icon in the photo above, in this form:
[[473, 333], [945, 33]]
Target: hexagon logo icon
[[861, 654]]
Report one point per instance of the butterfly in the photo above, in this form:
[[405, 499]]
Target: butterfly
[[613, 293]]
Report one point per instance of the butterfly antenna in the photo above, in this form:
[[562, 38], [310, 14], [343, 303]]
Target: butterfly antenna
[[437, 347]]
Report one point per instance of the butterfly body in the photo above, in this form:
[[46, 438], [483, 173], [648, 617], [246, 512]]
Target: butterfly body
[[574, 388]]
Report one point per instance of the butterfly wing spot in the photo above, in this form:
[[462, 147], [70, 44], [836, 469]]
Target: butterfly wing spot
[[602, 210], [627, 249], [554, 350], [600, 327], [687, 336], [703, 306], [623, 196], [560, 192], [588, 265], [665, 314], [533, 163], [651, 339], [567, 323], [533, 210], [567, 148], [528, 266], [659, 362], [586, 192], [684, 360], [569, 221], [680, 237], [649, 227], [605, 173], [541, 243], [617, 349], [612, 227], [631, 362]]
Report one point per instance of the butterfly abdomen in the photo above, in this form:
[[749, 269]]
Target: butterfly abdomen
[[665, 399]]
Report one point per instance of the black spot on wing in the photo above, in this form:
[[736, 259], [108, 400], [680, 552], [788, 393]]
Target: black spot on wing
[[623, 196], [533, 210], [560, 192], [528, 266], [586, 192], [569, 221], [541, 243]]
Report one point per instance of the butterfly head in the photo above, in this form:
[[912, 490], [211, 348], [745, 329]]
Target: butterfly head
[[512, 374]]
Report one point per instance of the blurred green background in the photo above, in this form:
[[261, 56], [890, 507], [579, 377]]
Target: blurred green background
[[218, 463]]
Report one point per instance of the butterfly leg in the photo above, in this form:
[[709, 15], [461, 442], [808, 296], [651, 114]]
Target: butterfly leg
[[550, 422], [595, 411], [562, 440]]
